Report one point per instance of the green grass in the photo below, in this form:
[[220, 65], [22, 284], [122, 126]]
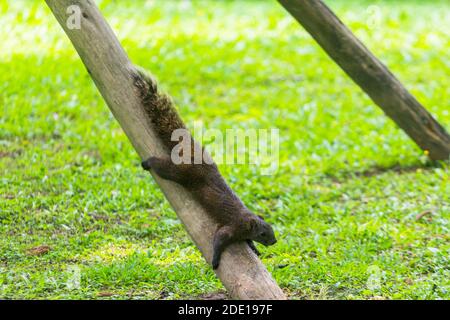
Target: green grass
[[343, 202]]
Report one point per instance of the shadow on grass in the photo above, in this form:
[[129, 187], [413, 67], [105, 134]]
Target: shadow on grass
[[378, 170]]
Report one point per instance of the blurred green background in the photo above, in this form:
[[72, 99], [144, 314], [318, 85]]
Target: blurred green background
[[80, 219]]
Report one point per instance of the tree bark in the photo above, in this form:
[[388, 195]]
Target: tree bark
[[241, 272], [371, 75]]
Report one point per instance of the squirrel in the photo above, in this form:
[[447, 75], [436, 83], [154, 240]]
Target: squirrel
[[203, 180]]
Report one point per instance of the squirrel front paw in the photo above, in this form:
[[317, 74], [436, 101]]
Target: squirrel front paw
[[256, 251], [253, 247]]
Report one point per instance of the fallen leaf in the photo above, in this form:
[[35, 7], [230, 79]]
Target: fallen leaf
[[213, 296], [105, 294], [39, 250], [423, 214]]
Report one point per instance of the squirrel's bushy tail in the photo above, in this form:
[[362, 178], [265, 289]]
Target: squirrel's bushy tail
[[160, 109]]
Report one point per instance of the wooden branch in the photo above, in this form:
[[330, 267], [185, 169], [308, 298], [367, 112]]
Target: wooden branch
[[240, 271], [371, 75]]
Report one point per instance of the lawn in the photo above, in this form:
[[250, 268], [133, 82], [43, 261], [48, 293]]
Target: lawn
[[359, 211]]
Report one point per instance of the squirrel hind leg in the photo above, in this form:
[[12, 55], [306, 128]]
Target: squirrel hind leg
[[164, 168], [146, 164]]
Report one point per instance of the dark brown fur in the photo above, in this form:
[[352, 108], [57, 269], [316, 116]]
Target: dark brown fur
[[204, 181]]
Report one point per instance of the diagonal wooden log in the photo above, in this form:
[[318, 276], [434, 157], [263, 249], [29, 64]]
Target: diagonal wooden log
[[241, 272], [371, 75]]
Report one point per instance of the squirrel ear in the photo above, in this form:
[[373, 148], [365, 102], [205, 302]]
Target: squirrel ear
[[254, 224]]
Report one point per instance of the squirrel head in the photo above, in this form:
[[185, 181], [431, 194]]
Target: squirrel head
[[261, 231]]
